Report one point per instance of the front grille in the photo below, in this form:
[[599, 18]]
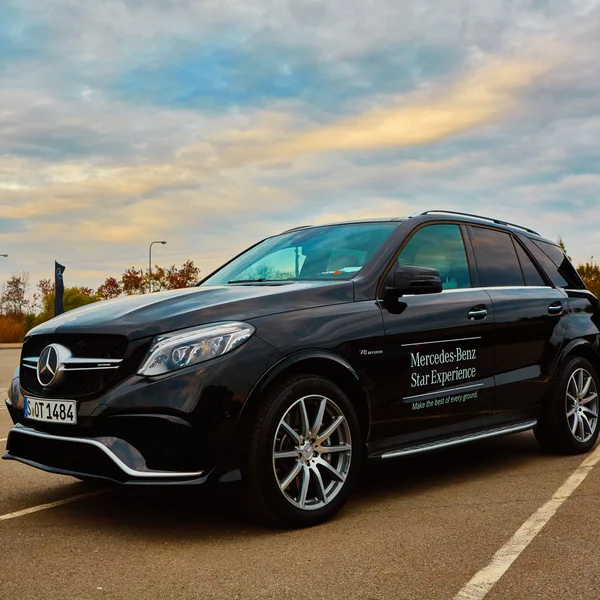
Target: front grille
[[74, 384], [81, 346]]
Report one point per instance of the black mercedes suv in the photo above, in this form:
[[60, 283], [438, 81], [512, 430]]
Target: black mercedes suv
[[312, 352]]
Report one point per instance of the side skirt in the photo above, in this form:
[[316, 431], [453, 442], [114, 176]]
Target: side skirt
[[456, 440]]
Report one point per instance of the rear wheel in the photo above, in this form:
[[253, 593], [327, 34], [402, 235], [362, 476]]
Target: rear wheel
[[569, 423], [304, 452]]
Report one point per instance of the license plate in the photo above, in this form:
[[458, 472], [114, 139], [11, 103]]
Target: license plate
[[51, 411]]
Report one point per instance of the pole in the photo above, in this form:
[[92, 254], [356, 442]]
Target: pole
[[150, 263]]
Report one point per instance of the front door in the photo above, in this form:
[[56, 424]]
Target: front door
[[436, 369]]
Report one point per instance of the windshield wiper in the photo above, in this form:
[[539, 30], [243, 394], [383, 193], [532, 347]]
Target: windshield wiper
[[259, 280], [248, 280]]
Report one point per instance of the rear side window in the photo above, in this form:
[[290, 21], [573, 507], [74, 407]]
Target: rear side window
[[530, 272], [496, 257], [439, 247], [554, 253], [557, 265]]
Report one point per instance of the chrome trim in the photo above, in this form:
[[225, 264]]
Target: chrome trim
[[499, 287], [442, 341], [445, 391], [491, 288], [91, 442], [460, 440], [481, 289], [475, 314], [101, 361], [64, 370], [107, 363]]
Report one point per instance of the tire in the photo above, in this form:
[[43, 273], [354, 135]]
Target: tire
[[569, 421], [302, 485]]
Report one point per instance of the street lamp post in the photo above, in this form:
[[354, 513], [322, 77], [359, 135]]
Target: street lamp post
[[150, 263]]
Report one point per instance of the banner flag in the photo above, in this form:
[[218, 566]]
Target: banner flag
[[59, 289]]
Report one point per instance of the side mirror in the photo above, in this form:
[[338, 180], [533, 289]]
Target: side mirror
[[415, 280]]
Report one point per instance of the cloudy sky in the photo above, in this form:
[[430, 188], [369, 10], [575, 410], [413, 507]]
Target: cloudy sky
[[212, 123]]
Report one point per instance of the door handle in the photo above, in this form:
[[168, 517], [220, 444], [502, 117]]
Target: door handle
[[556, 308], [477, 313]]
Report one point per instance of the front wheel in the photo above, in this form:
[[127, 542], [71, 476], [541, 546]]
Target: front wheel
[[569, 422], [304, 452]]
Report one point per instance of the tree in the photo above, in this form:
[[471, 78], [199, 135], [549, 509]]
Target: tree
[[111, 288], [173, 278], [19, 307], [45, 287], [184, 277], [158, 279], [74, 297], [133, 282], [561, 243], [590, 273], [13, 296]]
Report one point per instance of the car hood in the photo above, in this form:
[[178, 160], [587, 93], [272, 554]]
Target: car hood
[[141, 316]]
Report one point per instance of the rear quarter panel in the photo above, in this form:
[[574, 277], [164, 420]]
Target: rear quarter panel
[[583, 326]]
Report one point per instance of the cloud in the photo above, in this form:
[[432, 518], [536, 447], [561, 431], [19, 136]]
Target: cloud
[[212, 124], [479, 98]]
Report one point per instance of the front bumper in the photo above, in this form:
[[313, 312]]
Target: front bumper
[[179, 428], [105, 458]]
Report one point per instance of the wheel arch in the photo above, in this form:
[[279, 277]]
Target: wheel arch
[[318, 362], [578, 347], [553, 431]]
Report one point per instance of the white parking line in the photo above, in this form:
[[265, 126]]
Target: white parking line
[[33, 509], [3, 439], [485, 580]]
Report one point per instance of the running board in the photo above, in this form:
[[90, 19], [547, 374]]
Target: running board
[[461, 439]]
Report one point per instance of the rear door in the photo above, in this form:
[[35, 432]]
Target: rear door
[[436, 366], [529, 312]]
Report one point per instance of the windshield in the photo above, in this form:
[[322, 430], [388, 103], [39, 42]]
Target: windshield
[[330, 252]]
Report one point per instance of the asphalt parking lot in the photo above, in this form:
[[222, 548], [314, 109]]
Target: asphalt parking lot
[[418, 528]]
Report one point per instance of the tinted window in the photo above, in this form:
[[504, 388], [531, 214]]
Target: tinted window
[[439, 247], [532, 275], [557, 265], [554, 253], [496, 258]]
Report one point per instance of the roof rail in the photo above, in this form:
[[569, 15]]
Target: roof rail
[[464, 214], [296, 229]]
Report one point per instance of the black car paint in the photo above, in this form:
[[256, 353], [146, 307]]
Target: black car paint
[[350, 331], [144, 316]]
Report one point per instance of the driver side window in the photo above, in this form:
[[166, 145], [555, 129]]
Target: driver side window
[[439, 247]]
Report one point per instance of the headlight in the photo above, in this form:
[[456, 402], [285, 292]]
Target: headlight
[[182, 349]]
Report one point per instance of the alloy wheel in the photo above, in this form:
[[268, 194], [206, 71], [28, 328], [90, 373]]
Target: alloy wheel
[[312, 452], [582, 405]]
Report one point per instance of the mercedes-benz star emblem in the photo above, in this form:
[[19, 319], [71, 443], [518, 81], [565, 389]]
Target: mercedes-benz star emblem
[[49, 362]]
